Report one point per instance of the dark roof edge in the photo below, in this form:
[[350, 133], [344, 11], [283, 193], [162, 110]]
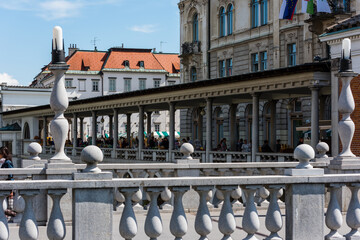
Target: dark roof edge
[[308, 67]]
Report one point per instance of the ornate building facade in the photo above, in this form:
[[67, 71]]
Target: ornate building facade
[[223, 39]]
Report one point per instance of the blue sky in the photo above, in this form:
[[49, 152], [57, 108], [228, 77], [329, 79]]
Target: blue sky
[[26, 29]]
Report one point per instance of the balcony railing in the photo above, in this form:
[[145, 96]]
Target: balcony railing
[[306, 215], [189, 48]]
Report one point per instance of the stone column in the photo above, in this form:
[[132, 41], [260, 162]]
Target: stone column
[[272, 139], [141, 130], [45, 134], [92, 203], [115, 132], [232, 124], [171, 127], [209, 106], [75, 130], [289, 108], [334, 108], [148, 126], [93, 126], [111, 132], [82, 128], [128, 128], [255, 127], [314, 116]]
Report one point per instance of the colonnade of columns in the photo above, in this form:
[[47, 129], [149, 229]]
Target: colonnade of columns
[[114, 121]]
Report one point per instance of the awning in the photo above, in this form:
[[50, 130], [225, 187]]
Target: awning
[[166, 134]]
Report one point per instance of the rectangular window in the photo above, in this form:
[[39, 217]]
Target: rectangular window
[[263, 58], [142, 84], [127, 84], [255, 62], [95, 85], [222, 70], [229, 67], [292, 54], [82, 85], [68, 83], [112, 84], [254, 13], [156, 83], [263, 12], [157, 127]]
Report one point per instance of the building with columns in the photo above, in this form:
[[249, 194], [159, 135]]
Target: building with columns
[[100, 73], [224, 39]]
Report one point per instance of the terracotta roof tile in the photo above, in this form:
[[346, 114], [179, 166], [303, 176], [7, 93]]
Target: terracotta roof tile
[[87, 60], [116, 60], [170, 62]]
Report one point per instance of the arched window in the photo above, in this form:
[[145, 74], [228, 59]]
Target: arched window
[[193, 74], [230, 19], [195, 28], [26, 131], [222, 22]]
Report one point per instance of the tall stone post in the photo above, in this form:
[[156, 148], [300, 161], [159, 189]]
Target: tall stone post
[[232, 123], [115, 132], [141, 131], [314, 116], [45, 134], [346, 126], [59, 102], [171, 127], [93, 126], [334, 108], [255, 127], [128, 128], [209, 102], [75, 131]]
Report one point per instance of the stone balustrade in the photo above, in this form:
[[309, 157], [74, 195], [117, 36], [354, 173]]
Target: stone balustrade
[[160, 155], [304, 206]]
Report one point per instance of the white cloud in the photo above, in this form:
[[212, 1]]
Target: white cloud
[[59, 9], [53, 9], [148, 28], [4, 77]]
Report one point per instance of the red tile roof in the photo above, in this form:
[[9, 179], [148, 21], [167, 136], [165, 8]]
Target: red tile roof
[[170, 62], [116, 60], [87, 61]]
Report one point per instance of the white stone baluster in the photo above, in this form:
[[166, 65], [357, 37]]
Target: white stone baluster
[[353, 213], [333, 217], [227, 222], [56, 229], [4, 228], [178, 222], [250, 221], [153, 222], [128, 225], [273, 221], [28, 226], [203, 224]]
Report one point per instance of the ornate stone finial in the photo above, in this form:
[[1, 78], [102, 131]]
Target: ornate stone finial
[[34, 149], [92, 155], [322, 148], [304, 153], [187, 149]]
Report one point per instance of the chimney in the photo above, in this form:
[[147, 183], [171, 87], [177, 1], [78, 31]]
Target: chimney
[[72, 49]]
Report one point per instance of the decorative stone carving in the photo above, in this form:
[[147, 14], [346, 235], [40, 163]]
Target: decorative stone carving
[[92, 155], [322, 148], [34, 149], [304, 153], [187, 149]]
